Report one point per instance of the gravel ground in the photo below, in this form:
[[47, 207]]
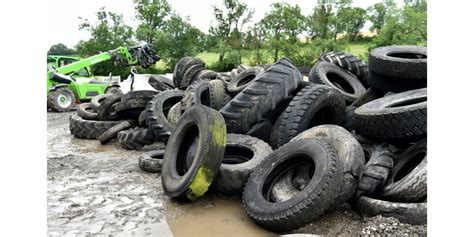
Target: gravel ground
[[98, 189]]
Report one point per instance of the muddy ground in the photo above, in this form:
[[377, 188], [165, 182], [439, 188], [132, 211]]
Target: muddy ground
[[98, 189]]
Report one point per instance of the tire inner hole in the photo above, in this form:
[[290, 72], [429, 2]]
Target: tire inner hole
[[169, 103], [237, 155], [205, 97], [339, 82], [246, 80], [191, 136], [410, 101], [407, 55], [409, 166]]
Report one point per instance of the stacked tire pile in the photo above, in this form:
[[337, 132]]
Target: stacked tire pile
[[292, 149]]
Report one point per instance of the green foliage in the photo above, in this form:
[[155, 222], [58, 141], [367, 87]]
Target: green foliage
[[60, 49], [152, 15], [352, 20], [379, 13]]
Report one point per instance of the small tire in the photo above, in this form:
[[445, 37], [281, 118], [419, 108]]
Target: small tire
[[136, 138], [97, 100], [243, 79], [190, 75], [86, 111], [218, 94], [180, 69], [160, 83], [88, 129], [151, 161], [106, 110], [157, 109], [61, 100], [206, 75], [207, 125], [112, 132], [196, 93]]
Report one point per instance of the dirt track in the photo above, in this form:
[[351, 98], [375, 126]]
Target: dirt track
[[99, 189]]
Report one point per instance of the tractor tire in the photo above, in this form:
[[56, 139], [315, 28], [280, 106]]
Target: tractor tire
[[157, 110], [395, 117], [244, 79], [136, 138], [331, 75], [174, 114], [400, 62], [408, 180], [151, 161], [61, 100], [314, 105], [218, 94], [88, 129], [411, 213], [305, 205], [160, 83], [112, 132], [97, 100], [264, 95], [86, 111], [208, 126], [181, 68], [142, 119], [106, 110], [348, 62]]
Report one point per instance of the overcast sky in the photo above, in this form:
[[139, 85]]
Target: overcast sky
[[63, 15]]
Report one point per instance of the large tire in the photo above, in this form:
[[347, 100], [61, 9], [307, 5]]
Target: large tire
[[86, 111], [399, 116], [218, 94], [412, 213], [242, 154], [180, 69], [88, 129], [349, 62], [208, 126], [260, 130], [97, 100], [161, 83], [388, 84], [151, 161], [331, 75], [112, 132], [348, 150], [174, 114], [314, 105], [190, 75], [131, 108], [304, 206], [106, 110], [399, 62], [61, 100], [408, 180], [243, 79], [158, 108], [136, 138], [369, 95], [262, 96], [197, 93]]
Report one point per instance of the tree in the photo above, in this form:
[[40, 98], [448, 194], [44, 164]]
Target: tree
[[283, 23], [379, 13], [152, 15], [318, 21], [230, 21], [60, 49], [352, 20], [255, 39], [338, 21]]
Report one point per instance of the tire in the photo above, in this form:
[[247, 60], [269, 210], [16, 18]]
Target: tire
[[376, 171], [412, 213], [369, 95], [206, 75], [86, 111], [218, 94], [348, 150], [264, 95], [408, 180], [142, 119], [151, 161], [113, 90], [160, 83], [388, 84], [399, 116], [190, 75], [157, 110], [112, 132], [304, 70], [333, 76], [244, 79], [131, 108], [242, 154], [260, 130], [399, 61], [348, 62], [140, 94], [61, 100], [136, 138], [304, 206], [241, 68], [97, 100], [88, 129], [196, 93], [106, 110], [174, 114], [181, 68], [189, 184], [314, 105]]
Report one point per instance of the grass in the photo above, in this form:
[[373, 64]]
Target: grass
[[359, 49]]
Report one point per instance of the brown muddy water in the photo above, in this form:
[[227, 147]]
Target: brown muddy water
[[96, 189]]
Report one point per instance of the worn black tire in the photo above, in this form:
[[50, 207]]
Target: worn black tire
[[260, 130], [348, 149], [113, 90], [243, 79], [97, 100], [206, 75], [180, 69], [381, 120], [86, 111], [190, 75], [88, 129], [160, 83], [303, 207], [218, 94], [151, 161], [262, 96], [174, 114], [241, 68], [349, 62], [157, 109], [412, 213], [52, 99], [142, 119], [314, 105], [369, 95], [242, 154], [331, 75], [408, 180], [139, 94], [131, 108], [376, 171], [399, 61], [196, 93], [136, 138], [112, 132], [388, 84], [304, 70], [106, 110], [207, 125]]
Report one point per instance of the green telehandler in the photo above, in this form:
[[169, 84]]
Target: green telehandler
[[69, 78]]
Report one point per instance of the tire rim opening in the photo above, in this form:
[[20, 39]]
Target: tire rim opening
[[293, 166], [408, 55], [410, 101], [366, 155], [190, 136], [339, 82], [167, 104], [205, 97], [236, 155], [409, 166], [246, 80]]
